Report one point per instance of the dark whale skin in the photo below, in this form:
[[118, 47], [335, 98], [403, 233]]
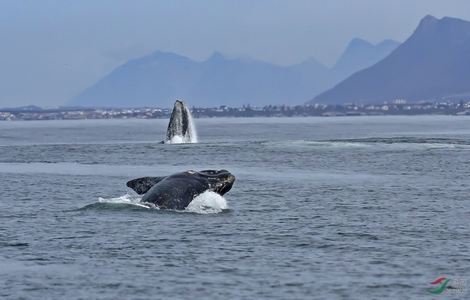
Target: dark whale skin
[[178, 190]]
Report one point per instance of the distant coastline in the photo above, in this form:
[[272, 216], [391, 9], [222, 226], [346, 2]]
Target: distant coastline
[[314, 110]]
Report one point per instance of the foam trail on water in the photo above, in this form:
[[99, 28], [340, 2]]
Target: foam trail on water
[[207, 203], [124, 199]]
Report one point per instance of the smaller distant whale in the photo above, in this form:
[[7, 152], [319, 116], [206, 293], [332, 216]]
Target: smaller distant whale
[[178, 190], [181, 127]]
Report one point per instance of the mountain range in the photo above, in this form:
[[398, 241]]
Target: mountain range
[[432, 64], [161, 77]]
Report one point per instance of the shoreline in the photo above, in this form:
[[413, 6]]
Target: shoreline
[[30, 113], [242, 117]]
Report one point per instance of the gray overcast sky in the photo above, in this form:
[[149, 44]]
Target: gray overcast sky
[[51, 50]]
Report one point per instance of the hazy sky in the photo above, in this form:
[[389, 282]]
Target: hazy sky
[[51, 50]]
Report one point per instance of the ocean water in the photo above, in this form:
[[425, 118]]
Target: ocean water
[[323, 208]]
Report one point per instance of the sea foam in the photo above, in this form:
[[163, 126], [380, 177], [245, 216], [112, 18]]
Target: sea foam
[[124, 199], [207, 203]]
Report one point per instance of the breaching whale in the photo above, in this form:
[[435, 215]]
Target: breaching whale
[[181, 128], [178, 190]]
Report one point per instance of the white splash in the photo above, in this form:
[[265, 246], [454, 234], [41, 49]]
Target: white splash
[[207, 203], [191, 127], [177, 139], [124, 199]]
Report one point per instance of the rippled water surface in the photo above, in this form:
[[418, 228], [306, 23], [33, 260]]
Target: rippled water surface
[[323, 208]]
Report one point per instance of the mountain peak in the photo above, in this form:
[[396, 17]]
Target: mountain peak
[[456, 21], [216, 56], [161, 56], [159, 53], [428, 19], [433, 63], [448, 30], [360, 54], [358, 42], [427, 23], [430, 23]]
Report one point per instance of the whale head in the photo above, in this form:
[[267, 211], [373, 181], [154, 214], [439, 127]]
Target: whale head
[[180, 128], [220, 181]]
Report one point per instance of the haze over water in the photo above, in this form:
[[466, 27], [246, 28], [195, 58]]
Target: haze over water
[[326, 208]]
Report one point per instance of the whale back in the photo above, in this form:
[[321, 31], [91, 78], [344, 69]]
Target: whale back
[[176, 191]]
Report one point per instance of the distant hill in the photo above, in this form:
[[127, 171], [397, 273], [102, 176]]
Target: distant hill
[[160, 78], [360, 54], [433, 63]]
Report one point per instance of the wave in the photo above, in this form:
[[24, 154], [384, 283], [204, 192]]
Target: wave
[[404, 140], [400, 142], [75, 168], [122, 202]]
